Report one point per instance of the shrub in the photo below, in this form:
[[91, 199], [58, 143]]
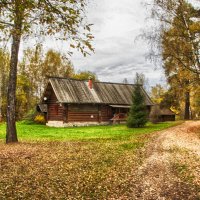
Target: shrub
[[30, 116], [40, 119]]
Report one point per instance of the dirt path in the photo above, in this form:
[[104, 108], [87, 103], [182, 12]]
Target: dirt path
[[171, 168]]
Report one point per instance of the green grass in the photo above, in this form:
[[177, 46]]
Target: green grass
[[72, 163], [115, 132]]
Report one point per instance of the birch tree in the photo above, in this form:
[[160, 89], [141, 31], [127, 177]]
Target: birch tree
[[176, 40], [4, 65], [185, 18], [63, 19], [180, 48]]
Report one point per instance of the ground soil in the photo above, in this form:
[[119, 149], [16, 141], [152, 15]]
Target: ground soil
[[171, 164]]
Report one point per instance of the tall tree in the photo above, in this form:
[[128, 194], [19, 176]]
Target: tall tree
[[138, 114], [125, 81], [24, 99], [196, 102], [85, 75], [178, 51], [54, 64], [32, 66], [141, 79], [157, 93], [177, 41], [4, 68], [20, 18], [182, 18], [181, 85]]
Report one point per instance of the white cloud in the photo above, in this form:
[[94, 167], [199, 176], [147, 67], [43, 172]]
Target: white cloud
[[117, 55]]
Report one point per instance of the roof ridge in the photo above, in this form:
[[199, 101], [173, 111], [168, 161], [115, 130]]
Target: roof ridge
[[58, 77], [116, 83]]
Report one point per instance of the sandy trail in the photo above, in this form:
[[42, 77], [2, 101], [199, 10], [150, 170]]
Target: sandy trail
[[171, 167]]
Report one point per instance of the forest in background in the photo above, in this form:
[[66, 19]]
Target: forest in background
[[33, 70], [175, 40]]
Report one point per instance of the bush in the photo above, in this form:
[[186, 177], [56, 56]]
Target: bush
[[40, 119]]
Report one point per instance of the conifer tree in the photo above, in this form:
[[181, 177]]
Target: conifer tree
[[138, 114]]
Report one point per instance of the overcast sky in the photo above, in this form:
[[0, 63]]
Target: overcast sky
[[117, 23], [117, 55]]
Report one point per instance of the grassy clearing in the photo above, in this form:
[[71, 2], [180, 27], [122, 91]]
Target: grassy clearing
[[72, 163], [27, 132]]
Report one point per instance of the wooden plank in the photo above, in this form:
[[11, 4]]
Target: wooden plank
[[99, 114]]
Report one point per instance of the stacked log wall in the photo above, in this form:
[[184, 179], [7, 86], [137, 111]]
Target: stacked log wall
[[83, 113], [55, 110], [106, 113]]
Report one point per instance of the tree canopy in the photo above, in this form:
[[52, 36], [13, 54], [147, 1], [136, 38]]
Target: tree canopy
[[63, 19], [176, 40], [34, 68], [179, 29]]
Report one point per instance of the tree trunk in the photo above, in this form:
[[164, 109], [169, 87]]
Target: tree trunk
[[187, 106], [11, 132], [1, 96]]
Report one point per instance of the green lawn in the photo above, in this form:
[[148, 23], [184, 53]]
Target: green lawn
[[72, 163], [27, 132]]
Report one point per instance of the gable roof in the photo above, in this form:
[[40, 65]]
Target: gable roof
[[76, 91], [166, 111], [162, 111]]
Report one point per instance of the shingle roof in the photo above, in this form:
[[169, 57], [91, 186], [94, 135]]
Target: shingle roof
[[42, 108], [162, 111], [166, 111], [76, 91]]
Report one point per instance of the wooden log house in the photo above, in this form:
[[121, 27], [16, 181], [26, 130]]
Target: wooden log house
[[162, 114], [70, 102]]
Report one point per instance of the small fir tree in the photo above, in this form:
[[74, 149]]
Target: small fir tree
[[138, 113]]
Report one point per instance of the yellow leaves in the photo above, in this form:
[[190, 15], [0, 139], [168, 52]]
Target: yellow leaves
[[72, 46], [157, 93], [63, 170], [64, 9], [84, 75], [87, 28], [173, 109], [39, 119], [61, 17], [195, 27]]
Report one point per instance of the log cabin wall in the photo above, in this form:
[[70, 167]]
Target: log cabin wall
[[165, 118], [148, 110], [55, 110], [89, 113], [106, 113], [83, 113]]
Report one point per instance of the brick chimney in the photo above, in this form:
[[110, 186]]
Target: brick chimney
[[90, 82]]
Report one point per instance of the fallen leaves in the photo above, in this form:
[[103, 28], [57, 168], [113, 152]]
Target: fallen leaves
[[65, 170], [102, 169]]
